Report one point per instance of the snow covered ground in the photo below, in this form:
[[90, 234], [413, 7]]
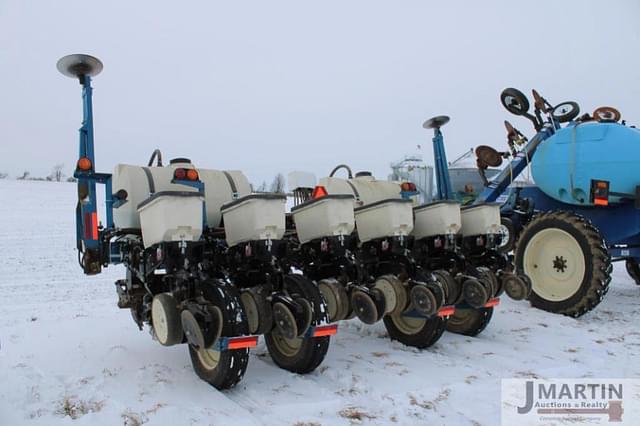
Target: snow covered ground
[[68, 355]]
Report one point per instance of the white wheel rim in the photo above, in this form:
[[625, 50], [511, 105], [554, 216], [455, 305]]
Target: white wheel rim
[[209, 358], [159, 320], [554, 261], [504, 232], [408, 325], [389, 293]]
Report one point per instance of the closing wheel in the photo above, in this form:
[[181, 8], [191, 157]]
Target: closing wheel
[[475, 292], [515, 287], [423, 300], [416, 332], [225, 369], [258, 311], [491, 277], [300, 354], [633, 269], [452, 287], [165, 319], [368, 307], [566, 258], [336, 297], [469, 322]]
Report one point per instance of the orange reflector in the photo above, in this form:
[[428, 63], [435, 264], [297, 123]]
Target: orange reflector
[[192, 174], [325, 330], [601, 201], [319, 191], [84, 164], [242, 342], [91, 226], [493, 302], [446, 311]]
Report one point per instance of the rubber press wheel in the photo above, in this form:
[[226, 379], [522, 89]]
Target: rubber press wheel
[[416, 332], [222, 369], [469, 322], [300, 354], [567, 260]]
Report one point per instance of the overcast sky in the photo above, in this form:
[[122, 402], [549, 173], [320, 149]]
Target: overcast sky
[[273, 86]]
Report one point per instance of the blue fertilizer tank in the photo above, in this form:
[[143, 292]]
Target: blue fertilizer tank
[[564, 165]]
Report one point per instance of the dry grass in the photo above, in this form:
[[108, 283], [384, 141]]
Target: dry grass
[[355, 414], [76, 408]]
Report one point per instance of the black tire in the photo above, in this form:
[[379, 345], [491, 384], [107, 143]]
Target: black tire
[[452, 288], [514, 101], [633, 269], [507, 246], [425, 333], [167, 323], [231, 365], [469, 322], [302, 354], [595, 280]]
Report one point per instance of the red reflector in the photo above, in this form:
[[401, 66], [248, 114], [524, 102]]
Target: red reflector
[[601, 201], [319, 191], [180, 174], [446, 311], [493, 302], [242, 342], [325, 330], [91, 225]]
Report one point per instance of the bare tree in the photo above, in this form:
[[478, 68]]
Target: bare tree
[[277, 186], [56, 175], [262, 187], [24, 176]]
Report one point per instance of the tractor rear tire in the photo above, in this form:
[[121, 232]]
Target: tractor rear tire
[[223, 369], [567, 260], [633, 269], [469, 322], [415, 332], [300, 354]]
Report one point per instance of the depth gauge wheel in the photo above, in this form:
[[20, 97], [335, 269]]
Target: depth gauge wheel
[[567, 260], [469, 322], [300, 354], [223, 369], [416, 332]]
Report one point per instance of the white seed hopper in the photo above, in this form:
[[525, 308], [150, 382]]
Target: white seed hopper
[[385, 218], [437, 218], [171, 216], [481, 219], [327, 216], [254, 217]]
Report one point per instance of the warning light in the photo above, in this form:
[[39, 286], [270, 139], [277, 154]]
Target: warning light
[[84, 164], [600, 192]]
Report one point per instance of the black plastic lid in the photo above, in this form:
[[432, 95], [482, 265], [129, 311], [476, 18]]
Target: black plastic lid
[[179, 160], [377, 203], [169, 193], [422, 206], [473, 206], [326, 197], [363, 173], [261, 196]]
